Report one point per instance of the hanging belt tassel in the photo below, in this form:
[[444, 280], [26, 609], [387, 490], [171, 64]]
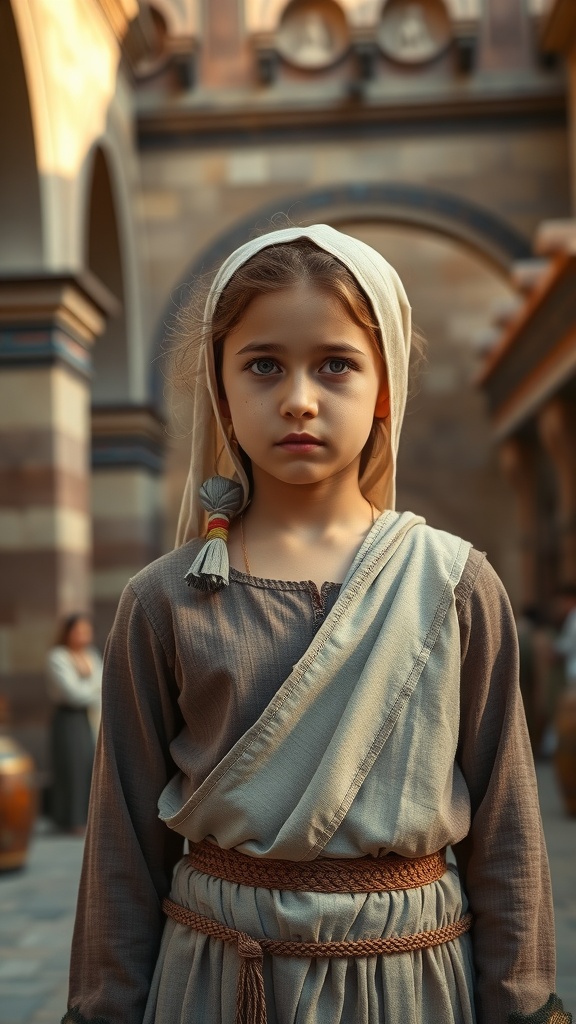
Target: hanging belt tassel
[[250, 998]]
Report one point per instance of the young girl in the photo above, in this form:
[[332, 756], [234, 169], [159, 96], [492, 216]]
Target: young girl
[[320, 695]]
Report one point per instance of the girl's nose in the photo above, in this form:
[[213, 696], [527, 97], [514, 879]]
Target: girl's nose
[[299, 398]]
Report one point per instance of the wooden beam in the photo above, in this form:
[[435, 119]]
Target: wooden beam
[[558, 33]]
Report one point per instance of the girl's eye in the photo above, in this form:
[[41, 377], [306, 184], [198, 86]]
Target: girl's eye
[[337, 366], [264, 367]]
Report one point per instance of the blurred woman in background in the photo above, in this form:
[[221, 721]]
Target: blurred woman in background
[[74, 682]]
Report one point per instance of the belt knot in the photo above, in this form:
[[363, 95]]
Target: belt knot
[[249, 948]]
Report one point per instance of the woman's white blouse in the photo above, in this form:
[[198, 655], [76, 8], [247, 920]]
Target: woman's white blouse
[[66, 686]]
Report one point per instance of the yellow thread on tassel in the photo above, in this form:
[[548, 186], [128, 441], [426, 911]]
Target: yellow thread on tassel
[[218, 531]]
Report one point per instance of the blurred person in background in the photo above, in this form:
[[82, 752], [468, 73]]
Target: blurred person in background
[[562, 665], [565, 644], [536, 659], [74, 683]]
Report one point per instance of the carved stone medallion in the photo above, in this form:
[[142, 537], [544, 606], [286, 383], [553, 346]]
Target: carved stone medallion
[[312, 33], [414, 31]]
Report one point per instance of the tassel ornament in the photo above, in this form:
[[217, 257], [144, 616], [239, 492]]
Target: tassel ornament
[[222, 498], [250, 995]]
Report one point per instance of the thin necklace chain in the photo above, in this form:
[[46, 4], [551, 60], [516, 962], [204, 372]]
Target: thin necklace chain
[[245, 553], [243, 540]]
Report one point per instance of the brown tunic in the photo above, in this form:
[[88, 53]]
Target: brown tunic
[[187, 673]]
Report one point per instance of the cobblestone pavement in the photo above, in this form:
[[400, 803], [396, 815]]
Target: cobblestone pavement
[[37, 908]]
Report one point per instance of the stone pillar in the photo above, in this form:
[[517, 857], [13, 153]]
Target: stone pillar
[[518, 461], [127, 460], [225, 56], [557, 429], [506, 39], [47, 327]]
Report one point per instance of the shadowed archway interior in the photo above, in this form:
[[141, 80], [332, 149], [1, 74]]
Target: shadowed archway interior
[[104, 259], [21, 246]]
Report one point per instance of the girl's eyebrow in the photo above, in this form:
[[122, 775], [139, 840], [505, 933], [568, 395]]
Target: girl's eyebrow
[[274, 347]]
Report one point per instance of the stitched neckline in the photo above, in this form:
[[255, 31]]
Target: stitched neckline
[[269, 584]]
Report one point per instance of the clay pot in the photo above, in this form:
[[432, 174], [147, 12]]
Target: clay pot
[[565, 754], [18, 803]]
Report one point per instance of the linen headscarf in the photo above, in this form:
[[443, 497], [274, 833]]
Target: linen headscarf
[[212, 454]]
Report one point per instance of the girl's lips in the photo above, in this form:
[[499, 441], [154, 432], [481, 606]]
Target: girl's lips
[[299, 443]]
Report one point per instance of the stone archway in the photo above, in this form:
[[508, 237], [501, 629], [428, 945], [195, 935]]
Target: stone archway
[[394, 203], [476, 228], [126, 435]]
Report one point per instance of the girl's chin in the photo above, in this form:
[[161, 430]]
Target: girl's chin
[[298, 478]]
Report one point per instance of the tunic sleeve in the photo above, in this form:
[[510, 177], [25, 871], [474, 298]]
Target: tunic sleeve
[[503, 861], [129, 853]]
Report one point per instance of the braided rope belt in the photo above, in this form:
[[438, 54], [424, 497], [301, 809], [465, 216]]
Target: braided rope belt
[[325, 876], [355, 874]]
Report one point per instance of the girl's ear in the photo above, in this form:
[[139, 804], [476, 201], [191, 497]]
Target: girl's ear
[[382, 409]]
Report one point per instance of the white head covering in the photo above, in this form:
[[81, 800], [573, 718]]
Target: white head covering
[[211, 451]]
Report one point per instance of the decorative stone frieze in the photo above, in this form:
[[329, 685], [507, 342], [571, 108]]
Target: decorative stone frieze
[[313, 34]]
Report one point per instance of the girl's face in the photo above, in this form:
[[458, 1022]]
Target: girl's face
[[303, 383]]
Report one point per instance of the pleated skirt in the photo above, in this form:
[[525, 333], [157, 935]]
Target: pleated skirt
[[196, 975]]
